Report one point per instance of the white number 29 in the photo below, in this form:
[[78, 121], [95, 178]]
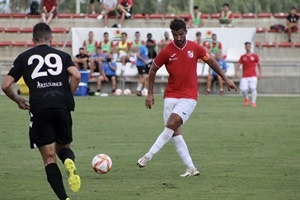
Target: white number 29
[[55, 68]]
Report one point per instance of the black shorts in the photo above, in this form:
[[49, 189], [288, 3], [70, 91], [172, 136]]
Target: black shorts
[[142, 69], [128, 10], [109, 77], [50, 125], [92, 1], [215, 78]]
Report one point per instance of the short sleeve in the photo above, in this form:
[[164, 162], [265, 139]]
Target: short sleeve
[[161, 58], [220, 45], [16, 69], [240, 60], [257, 58], [202, 54], [231, 16], [69, 62]]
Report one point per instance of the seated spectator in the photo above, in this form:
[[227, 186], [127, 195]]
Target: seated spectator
[[127, 6], [96, 61], [90, 44], [49, 10], [141, 64], [108, 74], [92, 6], [199, 41], [291, 22], [214, 46], [109, 7], [106, 45], [137, 42], [226, 16], [151, 46], [196, 18], [81, 59], [164, 41], [213, 76], [122, 49]]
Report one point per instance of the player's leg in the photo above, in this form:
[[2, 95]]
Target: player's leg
[[142, 77], [92, 6], [42, 135], [253, 85], [244, 90], [208, 84], [63, 128], [50, 17], [44, 17], [113, 80], [100, 79], [220, 81]]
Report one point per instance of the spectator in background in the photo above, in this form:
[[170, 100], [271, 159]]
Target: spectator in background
[[108, 74], [196, 18], [106, 45], [127, 5], [96, 61], [291, 22], [92, 6], [90, 44], [108, 8], [49, 10], [141, 64], [226, 16], [214, 46], [199, 41], [81, 59], [248, 63], [166, 40], [122, 51], [213, 76], [151, 46], [137, 42]]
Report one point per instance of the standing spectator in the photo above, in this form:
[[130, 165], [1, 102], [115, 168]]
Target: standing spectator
[[151, 46], [248, 62], [141, 64], [109, 8], [108, 74], [214, 46], [96, 60], [92, 5], [292, 22], [137, 42], [213, 76], [166, 40], [122, 50], [81, 59], [52, 79], [180, 98], [49, 10], [106, 45], [226, 16], [196, 18], [90, 44]]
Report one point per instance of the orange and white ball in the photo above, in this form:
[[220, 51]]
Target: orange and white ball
[[101, 163]]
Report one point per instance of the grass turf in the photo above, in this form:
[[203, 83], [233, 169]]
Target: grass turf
[[242, 152]]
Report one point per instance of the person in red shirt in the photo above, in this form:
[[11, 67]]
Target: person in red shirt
[[248, 63], [180, 97], [49, 10]]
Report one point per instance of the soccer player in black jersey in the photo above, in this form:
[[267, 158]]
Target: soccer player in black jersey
[[46, 72]]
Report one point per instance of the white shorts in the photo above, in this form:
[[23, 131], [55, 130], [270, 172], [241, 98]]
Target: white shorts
[[247, 82], [182, 107]]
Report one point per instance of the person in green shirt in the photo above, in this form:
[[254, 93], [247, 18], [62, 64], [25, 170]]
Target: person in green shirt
[[90, 44], [196, 18], [226, 16], [106, 45]]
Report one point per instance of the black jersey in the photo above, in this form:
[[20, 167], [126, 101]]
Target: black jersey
[[44, 70], [292, 18]]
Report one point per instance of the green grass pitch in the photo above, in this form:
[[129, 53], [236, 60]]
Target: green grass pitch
[[242, 152]]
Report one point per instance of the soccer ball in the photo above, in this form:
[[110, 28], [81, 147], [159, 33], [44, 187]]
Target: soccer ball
[[127, 92], [118, 92], [145, 92], [101, 163]]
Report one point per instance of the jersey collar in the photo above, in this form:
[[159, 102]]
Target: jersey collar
[[186, 41]]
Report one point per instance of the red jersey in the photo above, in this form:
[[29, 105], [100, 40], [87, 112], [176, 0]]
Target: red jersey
[[49, 4], [126, 2], [249, 62], [181, 64]]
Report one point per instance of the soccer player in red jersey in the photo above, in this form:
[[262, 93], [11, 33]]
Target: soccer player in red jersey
[[248, 62], [180, 98]]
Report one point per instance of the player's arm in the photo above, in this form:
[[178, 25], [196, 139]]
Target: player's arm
[[151, 78], [45, 10], [237, 69], [259, 70], [75, 78], [52, 9], [215, 66], [8, 90]]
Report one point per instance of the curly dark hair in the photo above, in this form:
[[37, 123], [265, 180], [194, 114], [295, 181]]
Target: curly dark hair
[[177, 24]]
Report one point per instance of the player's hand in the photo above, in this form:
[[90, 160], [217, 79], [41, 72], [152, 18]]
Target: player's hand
[[258, 75], [23, 104], [230, 85], [149, 101]]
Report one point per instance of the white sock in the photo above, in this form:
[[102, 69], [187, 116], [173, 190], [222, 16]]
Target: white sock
[[161, 140], [183, 151], [139, 87], [254, 95], [245, 94]]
